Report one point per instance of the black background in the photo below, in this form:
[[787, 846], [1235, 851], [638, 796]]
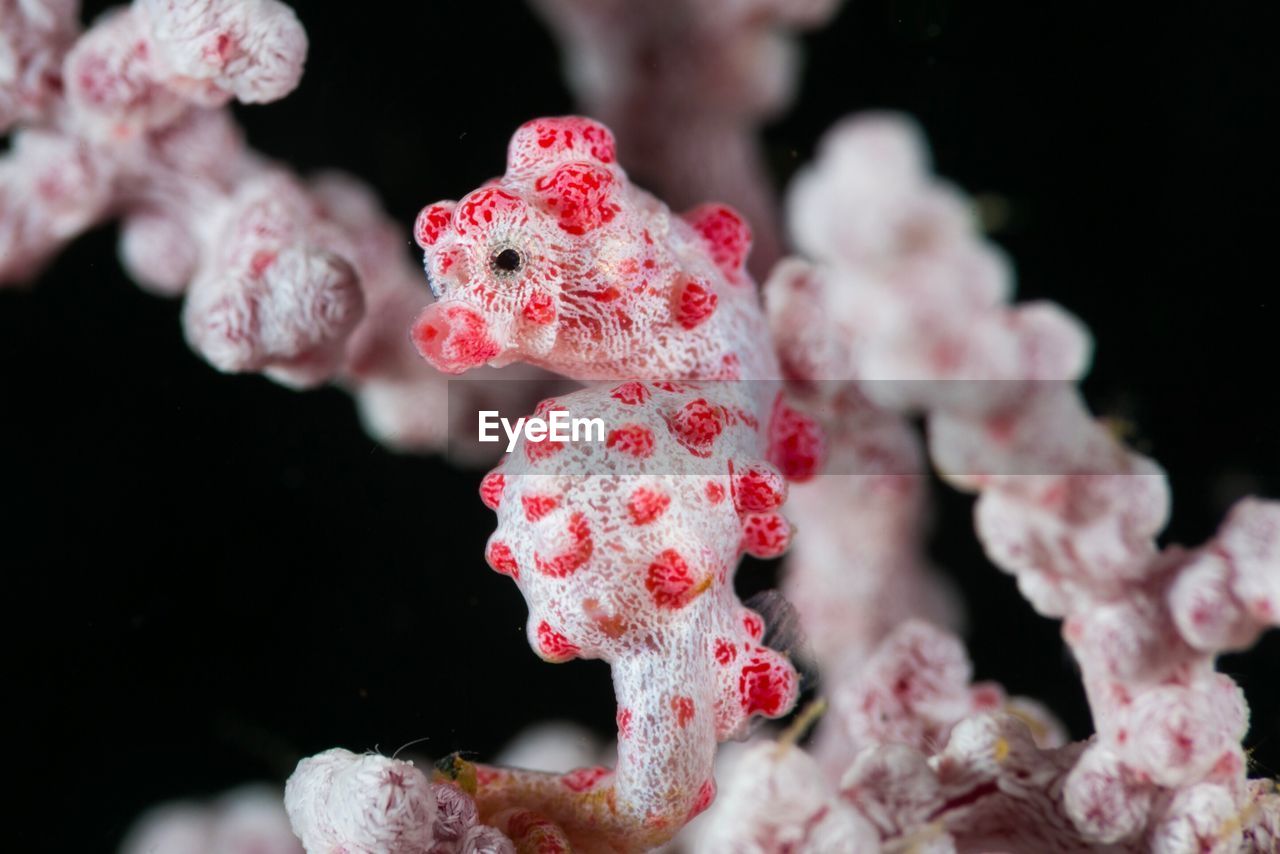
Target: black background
[[209, 576]]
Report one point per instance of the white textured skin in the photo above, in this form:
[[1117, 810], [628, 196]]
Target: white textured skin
[[691, 837], [250, 820], [653, 597]]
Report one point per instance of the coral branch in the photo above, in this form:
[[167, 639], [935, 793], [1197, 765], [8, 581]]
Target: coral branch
[[714, 70], [370, 804], [33, 39], [306, 282], [859, 570], [915, 301]]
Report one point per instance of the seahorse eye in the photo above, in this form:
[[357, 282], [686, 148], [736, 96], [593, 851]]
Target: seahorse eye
[[506, 262]]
